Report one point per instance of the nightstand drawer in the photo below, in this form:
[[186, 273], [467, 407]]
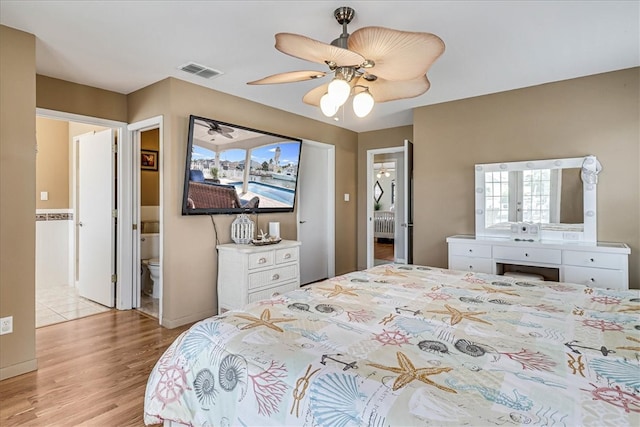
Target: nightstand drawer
[[542, 255], [594, 277], [478, 265], [272, 292], [286, 255], [594, 259], [260, 259], [470, 250], [273, 276]]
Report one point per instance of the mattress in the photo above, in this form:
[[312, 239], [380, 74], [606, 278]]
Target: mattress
[[400, 345]]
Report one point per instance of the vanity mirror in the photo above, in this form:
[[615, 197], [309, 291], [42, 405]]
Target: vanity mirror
[[556, 196]]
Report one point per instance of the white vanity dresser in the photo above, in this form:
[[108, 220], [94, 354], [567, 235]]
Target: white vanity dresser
[[601, 265], [248, 273], [539, 217]]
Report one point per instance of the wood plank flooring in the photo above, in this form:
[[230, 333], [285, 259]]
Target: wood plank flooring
[[383, 250], [91, 372]]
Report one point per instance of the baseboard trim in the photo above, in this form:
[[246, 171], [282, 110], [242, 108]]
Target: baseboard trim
[[175, 323], [18, 369]]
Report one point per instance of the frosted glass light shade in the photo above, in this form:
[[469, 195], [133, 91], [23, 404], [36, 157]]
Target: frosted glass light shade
[[328, 106], [339, 91], [363, 103]]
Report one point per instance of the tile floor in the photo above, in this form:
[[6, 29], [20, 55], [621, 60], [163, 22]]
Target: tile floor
[[55, 304], [150, 306]]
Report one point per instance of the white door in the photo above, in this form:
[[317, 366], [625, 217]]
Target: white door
[[95, 220], [315, 212], [407, 223]]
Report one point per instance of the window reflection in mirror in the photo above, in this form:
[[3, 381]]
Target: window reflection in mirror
[[545, 196]]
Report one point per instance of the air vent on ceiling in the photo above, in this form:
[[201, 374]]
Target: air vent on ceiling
[[200, 70]]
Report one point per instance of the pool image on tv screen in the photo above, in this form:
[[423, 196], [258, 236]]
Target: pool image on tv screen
[[233, 169]]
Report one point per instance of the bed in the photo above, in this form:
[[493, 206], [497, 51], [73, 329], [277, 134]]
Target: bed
[[384, 224], [407, 345]]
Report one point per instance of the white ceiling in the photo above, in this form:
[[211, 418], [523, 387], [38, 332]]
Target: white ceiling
[[491, 46]]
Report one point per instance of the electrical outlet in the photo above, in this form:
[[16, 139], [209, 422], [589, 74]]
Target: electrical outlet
[[6, 325]]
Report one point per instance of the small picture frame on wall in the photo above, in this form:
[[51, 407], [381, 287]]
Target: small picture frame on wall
[[149, 160]]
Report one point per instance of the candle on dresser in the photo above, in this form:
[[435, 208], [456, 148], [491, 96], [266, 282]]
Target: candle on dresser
[[274, 229]]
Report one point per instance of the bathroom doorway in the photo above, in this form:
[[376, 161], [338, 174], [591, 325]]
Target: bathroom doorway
[[146, 138], [61, 294]]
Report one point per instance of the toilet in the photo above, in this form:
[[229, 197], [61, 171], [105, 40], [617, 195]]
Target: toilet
[[150, 263]]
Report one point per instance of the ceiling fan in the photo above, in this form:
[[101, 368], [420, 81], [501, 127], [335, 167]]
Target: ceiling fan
[[374, 64], [215, 128]]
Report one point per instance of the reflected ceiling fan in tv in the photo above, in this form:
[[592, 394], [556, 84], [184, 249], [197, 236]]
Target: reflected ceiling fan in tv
[[232, 169]]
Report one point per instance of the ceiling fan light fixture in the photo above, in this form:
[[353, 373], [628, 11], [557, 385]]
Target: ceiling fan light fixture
[[328, 107], [339, 91], [363, 103]]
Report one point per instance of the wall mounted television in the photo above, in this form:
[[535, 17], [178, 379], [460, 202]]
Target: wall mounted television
[[232, 169]]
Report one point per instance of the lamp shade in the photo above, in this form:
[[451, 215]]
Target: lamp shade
[[328, 107], [339, 91], [363, 103]]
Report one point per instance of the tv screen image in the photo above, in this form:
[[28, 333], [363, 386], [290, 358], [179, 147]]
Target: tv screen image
[[234, 169]]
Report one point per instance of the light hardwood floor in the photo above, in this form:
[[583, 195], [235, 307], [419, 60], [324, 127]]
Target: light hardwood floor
[[91, 372]]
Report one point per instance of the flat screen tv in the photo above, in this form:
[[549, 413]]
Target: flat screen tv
[[232, 169]]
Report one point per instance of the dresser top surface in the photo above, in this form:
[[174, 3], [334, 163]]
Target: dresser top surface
[[578, 246], [253, 248]]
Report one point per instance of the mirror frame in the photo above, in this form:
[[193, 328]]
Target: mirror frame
[[589, 164]]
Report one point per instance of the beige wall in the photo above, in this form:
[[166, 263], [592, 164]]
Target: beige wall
[[60, 95], [189, 259], [596, 115], [393, 137], [17, 201], [52, 163], [150, 180]]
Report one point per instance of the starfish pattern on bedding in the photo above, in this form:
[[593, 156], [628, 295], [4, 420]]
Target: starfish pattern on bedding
[[457, 316], [337, 290], [408, 373], [498, 291], [264, 320], [389, 272]]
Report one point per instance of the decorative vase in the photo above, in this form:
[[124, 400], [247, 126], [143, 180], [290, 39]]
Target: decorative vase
[[242, 229]]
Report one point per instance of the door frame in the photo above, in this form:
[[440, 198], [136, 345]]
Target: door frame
[[370, 229], [134, 132], [124, 260], [330, 203]]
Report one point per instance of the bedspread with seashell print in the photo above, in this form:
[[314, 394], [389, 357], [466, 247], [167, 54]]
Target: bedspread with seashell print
[[405, 345]]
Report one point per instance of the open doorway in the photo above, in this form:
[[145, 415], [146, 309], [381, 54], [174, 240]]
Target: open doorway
[[146, 216], [73, 279], [384, 209], [390, 205]]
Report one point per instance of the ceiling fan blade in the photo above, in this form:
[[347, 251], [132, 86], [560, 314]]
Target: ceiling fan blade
[[315, 51], [387, 90], [313, 96], [290, 77], [398, 55]]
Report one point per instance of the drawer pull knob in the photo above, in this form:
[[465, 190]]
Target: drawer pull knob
[[287, 256], [470, 251], [471, 267], [262, 260], [591, 259], [592, 280], [275, 277], [526, 254]]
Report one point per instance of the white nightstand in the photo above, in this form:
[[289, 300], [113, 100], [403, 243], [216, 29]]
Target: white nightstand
[[248, 273]]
